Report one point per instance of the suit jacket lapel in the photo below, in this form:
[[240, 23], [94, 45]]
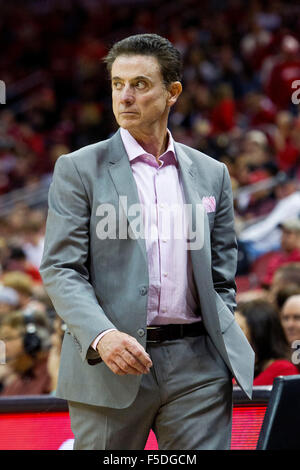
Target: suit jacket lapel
[[123, 179], [197, 217]]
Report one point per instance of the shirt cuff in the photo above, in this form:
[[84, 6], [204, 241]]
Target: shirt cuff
[[97, 339]]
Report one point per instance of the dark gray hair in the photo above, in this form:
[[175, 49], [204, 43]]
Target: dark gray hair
[[167, 55]]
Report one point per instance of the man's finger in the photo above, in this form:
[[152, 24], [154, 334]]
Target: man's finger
[[127, 368], [115, 368], [139, 353], [134, 363]]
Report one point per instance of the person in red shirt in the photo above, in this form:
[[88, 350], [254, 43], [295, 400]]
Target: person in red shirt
[[223, 113], [260, 322], [286, 142], [290, 249], [284, 72]]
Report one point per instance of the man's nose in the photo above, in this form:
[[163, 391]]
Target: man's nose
[[127, 95]]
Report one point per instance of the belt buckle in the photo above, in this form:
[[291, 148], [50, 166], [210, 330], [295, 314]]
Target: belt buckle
[[153, 341]]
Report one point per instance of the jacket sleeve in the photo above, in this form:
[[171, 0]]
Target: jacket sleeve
[[224, 245], [64, 267]]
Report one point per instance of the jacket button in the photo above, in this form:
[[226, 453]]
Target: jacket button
[[141, 332], [143, 290]]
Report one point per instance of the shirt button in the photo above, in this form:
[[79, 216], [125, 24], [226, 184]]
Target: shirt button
[[164, 310], [165, 274], [164, 240], [141, 332]]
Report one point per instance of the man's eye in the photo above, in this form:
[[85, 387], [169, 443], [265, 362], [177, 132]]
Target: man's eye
[[140, 84], [117, 85]]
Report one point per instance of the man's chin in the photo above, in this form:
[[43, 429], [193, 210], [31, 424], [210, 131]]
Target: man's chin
[[127, 124], [128, 118]]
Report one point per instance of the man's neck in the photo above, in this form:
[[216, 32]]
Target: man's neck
[[155, 144]]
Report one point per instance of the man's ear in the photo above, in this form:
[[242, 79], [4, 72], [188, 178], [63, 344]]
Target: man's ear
[[174, 90]]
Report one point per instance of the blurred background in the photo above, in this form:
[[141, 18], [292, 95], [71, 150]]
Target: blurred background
[[239, 105]]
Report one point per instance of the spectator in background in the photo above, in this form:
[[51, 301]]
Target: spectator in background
[[33, 238], [22, 283], [252, 165], [285, 70], [264, 235], [255, 44], [15, 220], [259, 110], [31, 295], [255, 149], [290, 318], [284, 293], [9, 300], [223, 111], [290, 249], [286, 142], [17, 261], [27, 338], [287, 277], [260, 322]]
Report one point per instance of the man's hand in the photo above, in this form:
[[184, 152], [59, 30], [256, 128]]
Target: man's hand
[[123, 354]]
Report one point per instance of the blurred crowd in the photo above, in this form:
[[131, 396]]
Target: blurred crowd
[[240, 105]]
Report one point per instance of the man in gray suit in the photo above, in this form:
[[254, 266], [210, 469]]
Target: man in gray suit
[[151, 341]]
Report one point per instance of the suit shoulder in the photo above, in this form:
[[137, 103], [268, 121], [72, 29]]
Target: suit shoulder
[[199, 157], [87, 153]]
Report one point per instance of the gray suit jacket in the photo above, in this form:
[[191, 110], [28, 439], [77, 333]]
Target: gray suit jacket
[[97, 284]]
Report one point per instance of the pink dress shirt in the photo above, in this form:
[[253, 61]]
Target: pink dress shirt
[[172, 296]]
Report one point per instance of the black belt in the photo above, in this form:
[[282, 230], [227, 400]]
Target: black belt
[[157, 334]]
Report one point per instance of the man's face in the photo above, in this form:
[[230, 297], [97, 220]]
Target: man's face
[[290, 318], [140, 98], [289, 240]]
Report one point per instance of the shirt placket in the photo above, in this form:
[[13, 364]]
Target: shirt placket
[[164, 229]]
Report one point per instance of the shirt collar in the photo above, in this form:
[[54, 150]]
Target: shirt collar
[[134, 149]]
